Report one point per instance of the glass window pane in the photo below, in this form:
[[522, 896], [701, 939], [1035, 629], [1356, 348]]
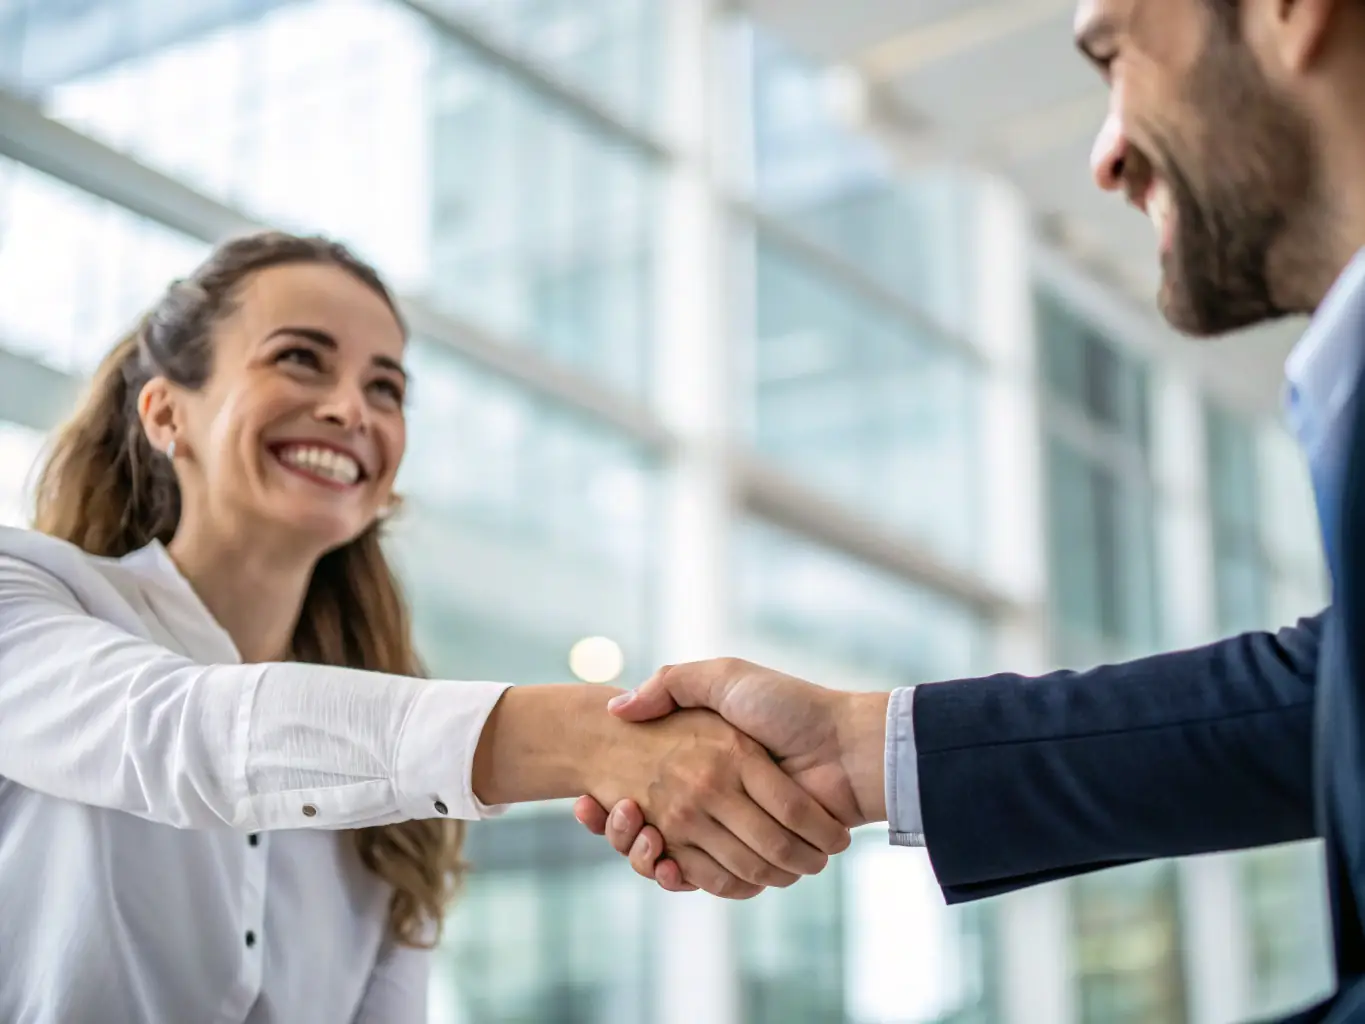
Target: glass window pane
[[525, 528], [1285, 910], [854, 401], [77, 271], [552, 927], [912, 959], [838, 187], [1102, 553], [356, 118], [1090, 375], [814, 604], [541, 227], [1126, 924], [1241, 573], [1101, 508], [610, 49]]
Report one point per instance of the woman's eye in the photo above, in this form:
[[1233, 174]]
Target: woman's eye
[[390, 391], [300, 356]]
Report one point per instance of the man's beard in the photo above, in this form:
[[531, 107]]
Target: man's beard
[[1242, 247], [1215, 273]]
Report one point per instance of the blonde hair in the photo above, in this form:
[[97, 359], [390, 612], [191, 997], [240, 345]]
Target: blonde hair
[[104, 489]]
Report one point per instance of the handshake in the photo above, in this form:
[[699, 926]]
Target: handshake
[[786, 768]]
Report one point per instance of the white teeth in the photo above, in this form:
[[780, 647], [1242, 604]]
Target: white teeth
[[323, 461], [1159, 210]]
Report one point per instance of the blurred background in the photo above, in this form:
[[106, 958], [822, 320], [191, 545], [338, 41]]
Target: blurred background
[[791, 329]]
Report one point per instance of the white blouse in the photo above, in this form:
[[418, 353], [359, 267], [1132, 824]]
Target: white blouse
[[168, 849]]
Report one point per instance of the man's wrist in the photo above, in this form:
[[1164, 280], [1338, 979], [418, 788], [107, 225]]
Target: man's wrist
[[860, 721]]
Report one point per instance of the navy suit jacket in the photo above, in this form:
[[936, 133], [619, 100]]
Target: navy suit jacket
[[1246, 742]]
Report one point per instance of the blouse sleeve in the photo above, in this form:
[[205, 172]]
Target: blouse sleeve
[[93, 713]]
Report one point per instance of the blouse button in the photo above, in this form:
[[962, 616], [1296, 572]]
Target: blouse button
[[309, 811], [441, 808]]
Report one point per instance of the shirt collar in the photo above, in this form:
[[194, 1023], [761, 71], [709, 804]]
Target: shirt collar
[[1322, 369], [157, 571]]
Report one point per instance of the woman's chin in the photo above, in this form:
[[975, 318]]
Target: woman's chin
[[317, 529]]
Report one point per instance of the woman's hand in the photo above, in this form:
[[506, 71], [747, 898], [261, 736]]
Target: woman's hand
[[730, 818]]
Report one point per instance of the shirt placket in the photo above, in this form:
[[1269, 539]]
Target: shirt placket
[[251, 927]]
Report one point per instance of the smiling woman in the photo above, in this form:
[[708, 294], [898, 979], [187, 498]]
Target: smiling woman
[[212, 713]]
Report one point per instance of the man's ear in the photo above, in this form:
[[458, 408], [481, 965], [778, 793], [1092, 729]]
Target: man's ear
[[1291, 33], [156, 407]]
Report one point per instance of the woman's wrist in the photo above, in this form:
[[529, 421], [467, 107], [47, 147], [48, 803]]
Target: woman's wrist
[[543, 743]]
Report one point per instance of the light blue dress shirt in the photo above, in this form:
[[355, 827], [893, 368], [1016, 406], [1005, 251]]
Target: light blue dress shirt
[[1321, 375]]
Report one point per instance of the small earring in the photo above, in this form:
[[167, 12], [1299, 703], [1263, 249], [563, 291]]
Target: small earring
[[170, 450]]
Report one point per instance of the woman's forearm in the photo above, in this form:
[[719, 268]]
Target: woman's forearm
[[539, 741]]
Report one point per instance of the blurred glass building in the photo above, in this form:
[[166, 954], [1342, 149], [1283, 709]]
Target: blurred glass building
[[699, 368]]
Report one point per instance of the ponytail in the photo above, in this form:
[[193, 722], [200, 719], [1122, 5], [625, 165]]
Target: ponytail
[[103, 487]]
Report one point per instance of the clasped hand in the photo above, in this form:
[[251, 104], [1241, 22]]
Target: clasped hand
[[757, 802], [735, 821]]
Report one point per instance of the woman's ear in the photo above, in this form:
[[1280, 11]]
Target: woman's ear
[[391, 507], [156, 408]]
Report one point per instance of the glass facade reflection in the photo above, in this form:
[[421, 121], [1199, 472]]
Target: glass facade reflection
[[484, 196], [863, 405], [1239, 555], [76, 271], [1128, 947], [1099, 489], [524, 528], [838, 188], [547, 931], [805, 598], [609, 49]]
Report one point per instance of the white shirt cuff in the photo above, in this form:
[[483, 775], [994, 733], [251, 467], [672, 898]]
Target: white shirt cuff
[[902, 771], [435, 765]]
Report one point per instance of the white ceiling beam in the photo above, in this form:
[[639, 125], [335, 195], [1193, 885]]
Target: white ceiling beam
[[1041, 131], [955, 35]]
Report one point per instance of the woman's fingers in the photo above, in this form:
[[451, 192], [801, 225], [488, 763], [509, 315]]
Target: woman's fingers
[[646, 857], [591, 815]]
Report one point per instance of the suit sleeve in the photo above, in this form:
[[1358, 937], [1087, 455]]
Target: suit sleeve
[[1026, 780]]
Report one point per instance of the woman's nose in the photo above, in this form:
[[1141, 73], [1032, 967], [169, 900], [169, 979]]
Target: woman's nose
[[345, 407]]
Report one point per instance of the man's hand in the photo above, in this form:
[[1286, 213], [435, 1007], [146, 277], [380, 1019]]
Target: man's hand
[[734, 822], [830, 742]]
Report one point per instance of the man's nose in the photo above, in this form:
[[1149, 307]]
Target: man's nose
[[1109, 153]]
